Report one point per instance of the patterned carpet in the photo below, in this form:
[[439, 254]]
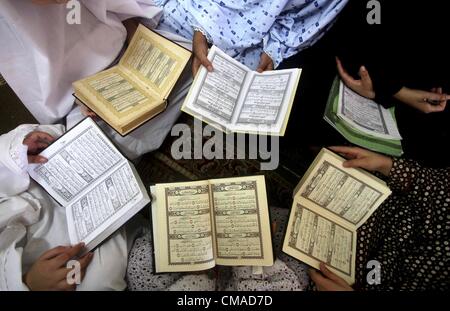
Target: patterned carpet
[[160, 167]]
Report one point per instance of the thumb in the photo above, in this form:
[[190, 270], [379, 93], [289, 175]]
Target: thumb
[[365, 77], [203, 58]]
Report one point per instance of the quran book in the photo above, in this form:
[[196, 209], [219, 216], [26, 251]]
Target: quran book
[[330, 204], [234, 98], [99, 188], [362, 121], [197, 225], [136, 90]]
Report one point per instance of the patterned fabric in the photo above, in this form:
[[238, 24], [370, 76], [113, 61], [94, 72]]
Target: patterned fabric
[[244, 29], [286, 273], [409, 234]]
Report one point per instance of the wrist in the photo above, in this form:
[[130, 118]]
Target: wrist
[[386, 166]]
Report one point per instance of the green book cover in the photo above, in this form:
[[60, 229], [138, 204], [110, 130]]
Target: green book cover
[[391, 147]]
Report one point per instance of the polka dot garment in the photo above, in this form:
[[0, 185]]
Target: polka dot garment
[[409, 234]]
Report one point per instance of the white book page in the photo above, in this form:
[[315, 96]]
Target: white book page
[[366, 115], [108, 203], [266, 101], [76, 161], [215, 95]]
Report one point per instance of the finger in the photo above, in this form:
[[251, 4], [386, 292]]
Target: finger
[[356, 163], [321, 282], [36, 159], [206, 63], [86, 260], [348, 151], [327, 273], [37, 147], [43, 136], [434, 96], [70, 253], [348, 80], [365, 77], [436, 108], [53, 252]]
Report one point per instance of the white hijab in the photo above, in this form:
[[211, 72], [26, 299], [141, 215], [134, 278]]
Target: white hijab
[[41, 54]]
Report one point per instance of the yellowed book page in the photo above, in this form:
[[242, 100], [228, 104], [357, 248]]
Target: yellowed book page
[[156, 61], [313, 238], [182, 227], [113, 95], [241, 222], [350, 194]]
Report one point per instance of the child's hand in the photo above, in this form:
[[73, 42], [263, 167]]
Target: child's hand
[[327, 280], [363, 87], [368, 160], [49, 272], [421, 100], [200, 47], [265, 63], [36, 142]]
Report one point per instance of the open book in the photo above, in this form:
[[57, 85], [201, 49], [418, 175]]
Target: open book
[[197, 225], [99, 188], [129, 94], [235, 99], [330, 204], [362, 121]]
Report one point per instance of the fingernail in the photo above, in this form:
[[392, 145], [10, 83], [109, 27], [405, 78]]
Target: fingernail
[[210, 68]]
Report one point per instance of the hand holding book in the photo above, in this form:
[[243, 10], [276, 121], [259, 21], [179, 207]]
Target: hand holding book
[[365, 159]]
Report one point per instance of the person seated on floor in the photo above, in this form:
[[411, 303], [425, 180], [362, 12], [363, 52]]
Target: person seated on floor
[[408, 234], [34, 241], [259, 34], [415, 80], [42, 54]]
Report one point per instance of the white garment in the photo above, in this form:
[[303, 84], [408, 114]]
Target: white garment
[[31, 223], [41, 55]]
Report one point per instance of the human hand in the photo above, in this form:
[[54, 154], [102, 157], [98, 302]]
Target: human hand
[[365, 159], [426, 102], [200, 48], [49, 272], [265, 63], [328, 281], [85, 111], [363, 87], [36, 142]]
